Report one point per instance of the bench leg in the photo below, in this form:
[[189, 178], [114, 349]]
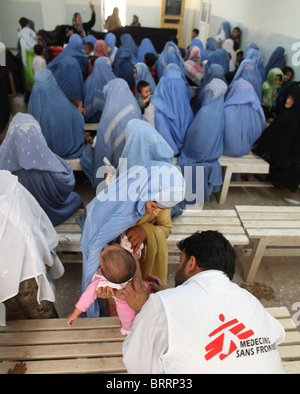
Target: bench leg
[[225, 186], [255, 258]]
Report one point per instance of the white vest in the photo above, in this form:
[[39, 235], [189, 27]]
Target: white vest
[[214, 326]]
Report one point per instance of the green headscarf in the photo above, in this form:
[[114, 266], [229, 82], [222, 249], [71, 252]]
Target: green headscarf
[[269, 88]]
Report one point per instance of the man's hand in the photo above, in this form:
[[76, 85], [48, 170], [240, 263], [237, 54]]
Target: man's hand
[[136, 236], [155, 283], [105, 292], [135, 294]]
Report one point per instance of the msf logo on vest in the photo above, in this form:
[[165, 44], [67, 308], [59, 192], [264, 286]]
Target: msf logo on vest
[[226, 337]]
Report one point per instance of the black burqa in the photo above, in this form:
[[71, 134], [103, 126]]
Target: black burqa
[[279, 144]]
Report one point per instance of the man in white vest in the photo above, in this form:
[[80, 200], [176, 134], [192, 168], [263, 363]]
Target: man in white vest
[[206, 324]]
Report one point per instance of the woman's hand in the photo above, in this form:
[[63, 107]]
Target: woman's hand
[[105, 292], [136, 236]]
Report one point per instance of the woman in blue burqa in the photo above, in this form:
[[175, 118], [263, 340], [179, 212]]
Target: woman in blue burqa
[[277, 60], [244, 119], [45, 175], [94, 100], [255, 55], [120, 107], [62, 124], [111, 39], [130, 204], [124, 64], [126, 41], [74, 49], [214, 71], [203, 143], [173, 112], [221, 57], [249, 72], [170, 54], [69, 78], [145, 46]]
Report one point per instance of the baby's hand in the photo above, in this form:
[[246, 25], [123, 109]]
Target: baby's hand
[[73, 317]]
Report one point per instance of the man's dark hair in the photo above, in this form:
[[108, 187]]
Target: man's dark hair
[[211, 250], [196, 31], [150, 59], [23, 21], [141, 84], [89, 44]]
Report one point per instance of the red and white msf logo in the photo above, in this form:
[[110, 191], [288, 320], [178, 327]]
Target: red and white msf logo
[[224, 344]]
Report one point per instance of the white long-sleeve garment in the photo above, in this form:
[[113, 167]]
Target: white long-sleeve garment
[[27, 242], [206, 325]]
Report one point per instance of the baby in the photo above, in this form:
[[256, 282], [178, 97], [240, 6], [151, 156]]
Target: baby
[[144, 91], [118, 267]]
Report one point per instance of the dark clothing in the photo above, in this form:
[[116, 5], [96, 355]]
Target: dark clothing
[[280, 145], [86, 26]]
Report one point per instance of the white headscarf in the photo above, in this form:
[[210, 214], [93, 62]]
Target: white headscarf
[[228, 45], [27, 241]]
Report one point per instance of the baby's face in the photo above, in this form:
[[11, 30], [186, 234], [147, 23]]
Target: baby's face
[[146, 92]]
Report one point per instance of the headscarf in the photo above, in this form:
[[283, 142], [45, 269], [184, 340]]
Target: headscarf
[[228, 45], [100, 48], [74, 49], [145, 46], [221, 57], [61, 123], [69, 78], [173, 113], [249, 72], [243, 110], [122, 204], [78, 28], [144, 143], [120, 107], [224, 32], [194, 68], [111, 40], [203, 143], [170, 54], [114, 20], [143, 74], [277, 60], [27, 242], [46, 176], [255, 55], [198, 43], [94, 100], [269, 88]]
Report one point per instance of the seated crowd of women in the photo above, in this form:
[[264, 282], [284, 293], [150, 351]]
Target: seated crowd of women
[[202, 103]]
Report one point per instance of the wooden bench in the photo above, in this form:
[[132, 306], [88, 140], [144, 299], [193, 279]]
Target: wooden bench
[[192, 220], [95, 345], [269, 226], [248, 164]]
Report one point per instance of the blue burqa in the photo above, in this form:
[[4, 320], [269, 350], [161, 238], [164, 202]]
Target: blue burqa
[[126, 41], [120, 107], [211, 46], [145, 46], [69, 78], [93, 89], [244, 119], [215, 71], [74, 49], [121, 205], [143, 74], [144, 143], [111, 40], [221, 57], [203, 143], [45, 175], [124, 64], [173, 112], [277, 60], [61, 123], [249, 72], [256, 56], [170, 54]]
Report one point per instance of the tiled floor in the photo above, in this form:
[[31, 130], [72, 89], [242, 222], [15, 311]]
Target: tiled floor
[[278, 279]]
